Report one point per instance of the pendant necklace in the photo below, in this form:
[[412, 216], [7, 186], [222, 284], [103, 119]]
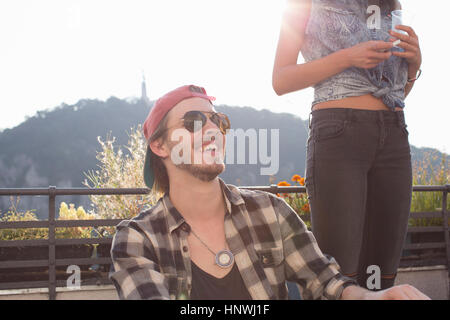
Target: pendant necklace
[[224, 258]]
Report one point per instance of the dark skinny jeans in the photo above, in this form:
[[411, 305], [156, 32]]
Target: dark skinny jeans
[[359, 184]]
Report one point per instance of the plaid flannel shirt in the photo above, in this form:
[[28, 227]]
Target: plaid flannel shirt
[[270, 243]]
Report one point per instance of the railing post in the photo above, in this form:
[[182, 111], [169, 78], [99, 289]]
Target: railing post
[[51, 244], [445, 217]]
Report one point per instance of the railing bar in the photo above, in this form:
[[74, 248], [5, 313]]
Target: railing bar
[[285, 189], [114, 222], [425, 229], [40, 242], [23, 285], [83, 261], [83, 241], [59, 242], [59, 223], [425, 245], [23, 224], [430, 188], [23, 263], [44, 284], [87, 223], [71, 191], [23, 243], [435, 214], [277, 189], [134, 191], [58, 262]]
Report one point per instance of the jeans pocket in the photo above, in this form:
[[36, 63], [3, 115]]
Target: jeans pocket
[[328, 129]]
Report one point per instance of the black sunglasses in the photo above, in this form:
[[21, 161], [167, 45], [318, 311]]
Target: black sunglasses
[[219, 119]]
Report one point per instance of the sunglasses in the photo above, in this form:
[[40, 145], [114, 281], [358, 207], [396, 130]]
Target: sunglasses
[[190, 118]]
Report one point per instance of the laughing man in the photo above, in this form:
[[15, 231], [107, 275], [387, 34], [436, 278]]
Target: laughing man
[[205, 239]]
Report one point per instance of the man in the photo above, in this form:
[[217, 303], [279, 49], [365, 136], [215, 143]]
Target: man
[[207, 240]]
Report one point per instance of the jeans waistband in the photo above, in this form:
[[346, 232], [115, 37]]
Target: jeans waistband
[[357, 115]]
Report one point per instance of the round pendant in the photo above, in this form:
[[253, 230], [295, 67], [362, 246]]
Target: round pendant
[[224, 258]]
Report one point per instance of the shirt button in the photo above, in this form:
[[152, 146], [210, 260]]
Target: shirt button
[[185, 249]]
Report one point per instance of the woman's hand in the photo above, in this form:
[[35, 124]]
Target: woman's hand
[[410, 43], [368, 54]]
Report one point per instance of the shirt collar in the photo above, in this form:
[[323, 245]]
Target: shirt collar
[[231, 194]]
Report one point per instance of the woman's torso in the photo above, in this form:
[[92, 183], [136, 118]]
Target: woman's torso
[[335, 25], [365, 102]]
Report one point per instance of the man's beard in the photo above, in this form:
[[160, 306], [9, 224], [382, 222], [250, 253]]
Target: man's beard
[[202, 172]]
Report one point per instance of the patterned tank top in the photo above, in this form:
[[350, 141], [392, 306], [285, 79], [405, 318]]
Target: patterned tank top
[[337, 24]]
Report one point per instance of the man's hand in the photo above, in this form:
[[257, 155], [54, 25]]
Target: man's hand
[[400, 292]]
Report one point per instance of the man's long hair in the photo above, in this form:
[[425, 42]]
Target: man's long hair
[[161, 184]]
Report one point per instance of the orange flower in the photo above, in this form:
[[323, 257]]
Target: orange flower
[[284, 184], [283, 195], [299, 179], [305, 207], [302, 181]]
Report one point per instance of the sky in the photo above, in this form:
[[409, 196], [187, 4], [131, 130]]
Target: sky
[[61, 51]]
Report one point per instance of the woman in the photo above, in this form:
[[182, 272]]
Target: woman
[[358, 170]]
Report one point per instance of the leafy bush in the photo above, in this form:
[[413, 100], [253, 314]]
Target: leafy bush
[[426, 172], [298, 201], [65, 213], [14, 214], [119, 170], [70, 213]]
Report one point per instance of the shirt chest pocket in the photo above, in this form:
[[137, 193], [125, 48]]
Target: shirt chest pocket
[[270, 257]]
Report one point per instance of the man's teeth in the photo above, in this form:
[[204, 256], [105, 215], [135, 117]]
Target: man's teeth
[[211, 147]]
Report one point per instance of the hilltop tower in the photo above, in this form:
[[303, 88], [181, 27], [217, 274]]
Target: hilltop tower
[[144, 97]]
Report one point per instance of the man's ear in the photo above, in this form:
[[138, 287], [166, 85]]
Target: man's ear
[[159, 148]]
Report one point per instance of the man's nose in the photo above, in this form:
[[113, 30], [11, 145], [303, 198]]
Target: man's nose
[[211, 131]]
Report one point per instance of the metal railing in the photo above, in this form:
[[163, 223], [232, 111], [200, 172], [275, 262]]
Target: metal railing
[[51, 224]]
